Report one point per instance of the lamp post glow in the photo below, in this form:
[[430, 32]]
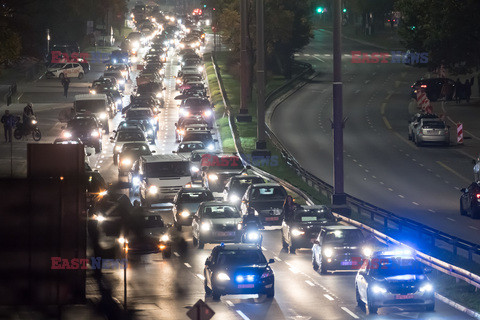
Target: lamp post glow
[[48, 41]]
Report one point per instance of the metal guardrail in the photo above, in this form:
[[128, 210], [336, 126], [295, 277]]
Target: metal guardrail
[[442, 266]]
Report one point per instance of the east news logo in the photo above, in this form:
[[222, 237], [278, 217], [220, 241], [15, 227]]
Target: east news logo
[[390, 57]]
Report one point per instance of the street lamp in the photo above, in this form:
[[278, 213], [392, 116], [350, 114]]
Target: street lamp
[[48, 41]]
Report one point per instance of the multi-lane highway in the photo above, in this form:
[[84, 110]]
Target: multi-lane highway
[[163, 289], [381, 166]]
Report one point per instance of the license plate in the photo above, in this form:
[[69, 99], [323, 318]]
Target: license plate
[[224, 234], [271, 218], [404, 296], [348, 263], [245, 286]]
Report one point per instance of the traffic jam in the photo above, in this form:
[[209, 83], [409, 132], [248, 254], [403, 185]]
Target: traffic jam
[[151, 115]]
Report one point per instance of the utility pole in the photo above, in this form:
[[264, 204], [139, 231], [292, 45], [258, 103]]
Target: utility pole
[[261, 145], [243, 115], [339, 199]]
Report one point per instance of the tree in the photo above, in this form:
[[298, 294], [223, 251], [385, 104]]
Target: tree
[[448, 30], [11, 45]]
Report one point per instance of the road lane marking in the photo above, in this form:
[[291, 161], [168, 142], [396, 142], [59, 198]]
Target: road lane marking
[[387, 124], [328, 297], [450, 219], [264, 249], [200, 276], [382, 109], [277, 258], [453, 171], [310, 283], [431, 210], [415, 203], [294, 270], [401, 196], [390, 189], [472, 227], [176, 254], [242, 315], [230, 303], [350, 312], [187, 265]]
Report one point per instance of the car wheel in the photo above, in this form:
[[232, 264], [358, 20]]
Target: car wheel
[[314, 263], [323, 267], [215, 295], [292, 250], [201, 244], [430, 307], [80, 75], [195, 241], [167, 253], [462, 210], [284, 243], [475, 212], [178, 226], [271, 292], [357, 296]]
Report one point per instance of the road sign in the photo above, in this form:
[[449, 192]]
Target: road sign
[[200, 311]]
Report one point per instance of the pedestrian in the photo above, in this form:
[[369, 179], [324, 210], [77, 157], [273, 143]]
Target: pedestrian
[[459, 91], [8, 121], [289, 207], [65, 84], [468, 90]]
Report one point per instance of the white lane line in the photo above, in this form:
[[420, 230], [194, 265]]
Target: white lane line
[[242, 315], [381, 182], [433, 211], [350, 313], [456, 188], [277, 258], [230, 303], [401, 196], [420, 164], [176, 254], [390, 189], [200, 276], [451, 219], [187, 265], [374, 177], [310, 283], [472, 227], [264, 249], [294, 270], [288, 263], [328, 297], [415, 203]]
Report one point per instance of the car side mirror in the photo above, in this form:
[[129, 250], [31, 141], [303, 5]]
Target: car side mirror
[[464, 190], [89, 154], [174, 151], [153, 151], [270, 261], [112, 139]]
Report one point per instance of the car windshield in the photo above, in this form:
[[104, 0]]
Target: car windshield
[[196, 196], [153, 221], [195, 136], [240, 258], [343, 236], [197, 103], [318, 215], [132, 113], [167, 169], [187, 147], [220, 211], [130, 136], [57, 65], [269, 193], [241, 185], [433, 124], [90, 105], [140, 148], [396, 266], [82, 123]]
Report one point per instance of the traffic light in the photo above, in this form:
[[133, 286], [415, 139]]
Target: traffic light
[[320, 9], [344, 10], [204, 5]]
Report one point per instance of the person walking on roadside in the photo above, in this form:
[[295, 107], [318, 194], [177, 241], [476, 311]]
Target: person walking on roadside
[[65, 84], [289, 207], [8, 121], [459, 91], [468, 90]]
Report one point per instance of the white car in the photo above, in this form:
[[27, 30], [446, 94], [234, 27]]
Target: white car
[[59, 70]]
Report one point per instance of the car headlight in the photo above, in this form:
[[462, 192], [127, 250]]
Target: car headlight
[[118, 148], [95, 134], [212, 177], [178, 81], [149, 131], [367, 251], [206, 226], [122, 240], [152, 122], [153, 190], [124, 73], [297, 232], [158, 95], [126, 162], [136, 181], [208, 113], [164, 238], [34, 121], [211, 147], [377, 289], [328, 252], [223, 276], [185, 213], [121, 81], [93, 91], [67, 134], [103, 115], [135, 44], [234, 198], [239, 226], [118, 102], [200, 69], [98, 218], [194, 169], [426, 288], [252, 235]]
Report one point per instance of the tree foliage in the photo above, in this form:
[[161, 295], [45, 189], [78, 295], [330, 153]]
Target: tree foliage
[[448, 30], [11, 45]]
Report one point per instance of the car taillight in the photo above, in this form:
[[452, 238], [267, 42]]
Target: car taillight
[[423, 86], [478, 195]]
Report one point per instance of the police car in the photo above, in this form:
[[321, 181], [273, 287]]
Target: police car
[[393, 279]]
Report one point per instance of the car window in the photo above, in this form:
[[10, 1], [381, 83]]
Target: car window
[[268, 193], [197, 196], [153, 221], [82, 123], [344, 236], [187, 147], [396, 266], [240, 257], [220, 211], [433, 124], [313, 216], [130, 136]]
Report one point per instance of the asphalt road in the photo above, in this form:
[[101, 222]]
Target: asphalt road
[[164, 289], [381, 166]]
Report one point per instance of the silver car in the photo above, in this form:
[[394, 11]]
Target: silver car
[[431, 131], [216, 222], [415, 121]]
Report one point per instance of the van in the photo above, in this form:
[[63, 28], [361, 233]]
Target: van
[[162, 176], [94, 104]]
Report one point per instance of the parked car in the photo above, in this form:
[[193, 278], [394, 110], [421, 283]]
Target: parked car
[[60, 70], [431, 131], [470, 200]]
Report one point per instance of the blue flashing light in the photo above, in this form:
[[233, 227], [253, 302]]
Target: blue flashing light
[[240, 279], [222, 244]]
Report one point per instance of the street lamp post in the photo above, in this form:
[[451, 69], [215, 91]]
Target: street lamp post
[[243, 115], [48, 41]]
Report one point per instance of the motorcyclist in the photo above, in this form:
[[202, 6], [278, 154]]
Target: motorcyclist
[[251, 218], [27, 114], [251, 224]]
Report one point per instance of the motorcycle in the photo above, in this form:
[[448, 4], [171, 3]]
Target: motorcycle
[[251, 234], [22, 131]]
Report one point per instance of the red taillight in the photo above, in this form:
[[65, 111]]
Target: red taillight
[[423, 86], [478, 195]]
